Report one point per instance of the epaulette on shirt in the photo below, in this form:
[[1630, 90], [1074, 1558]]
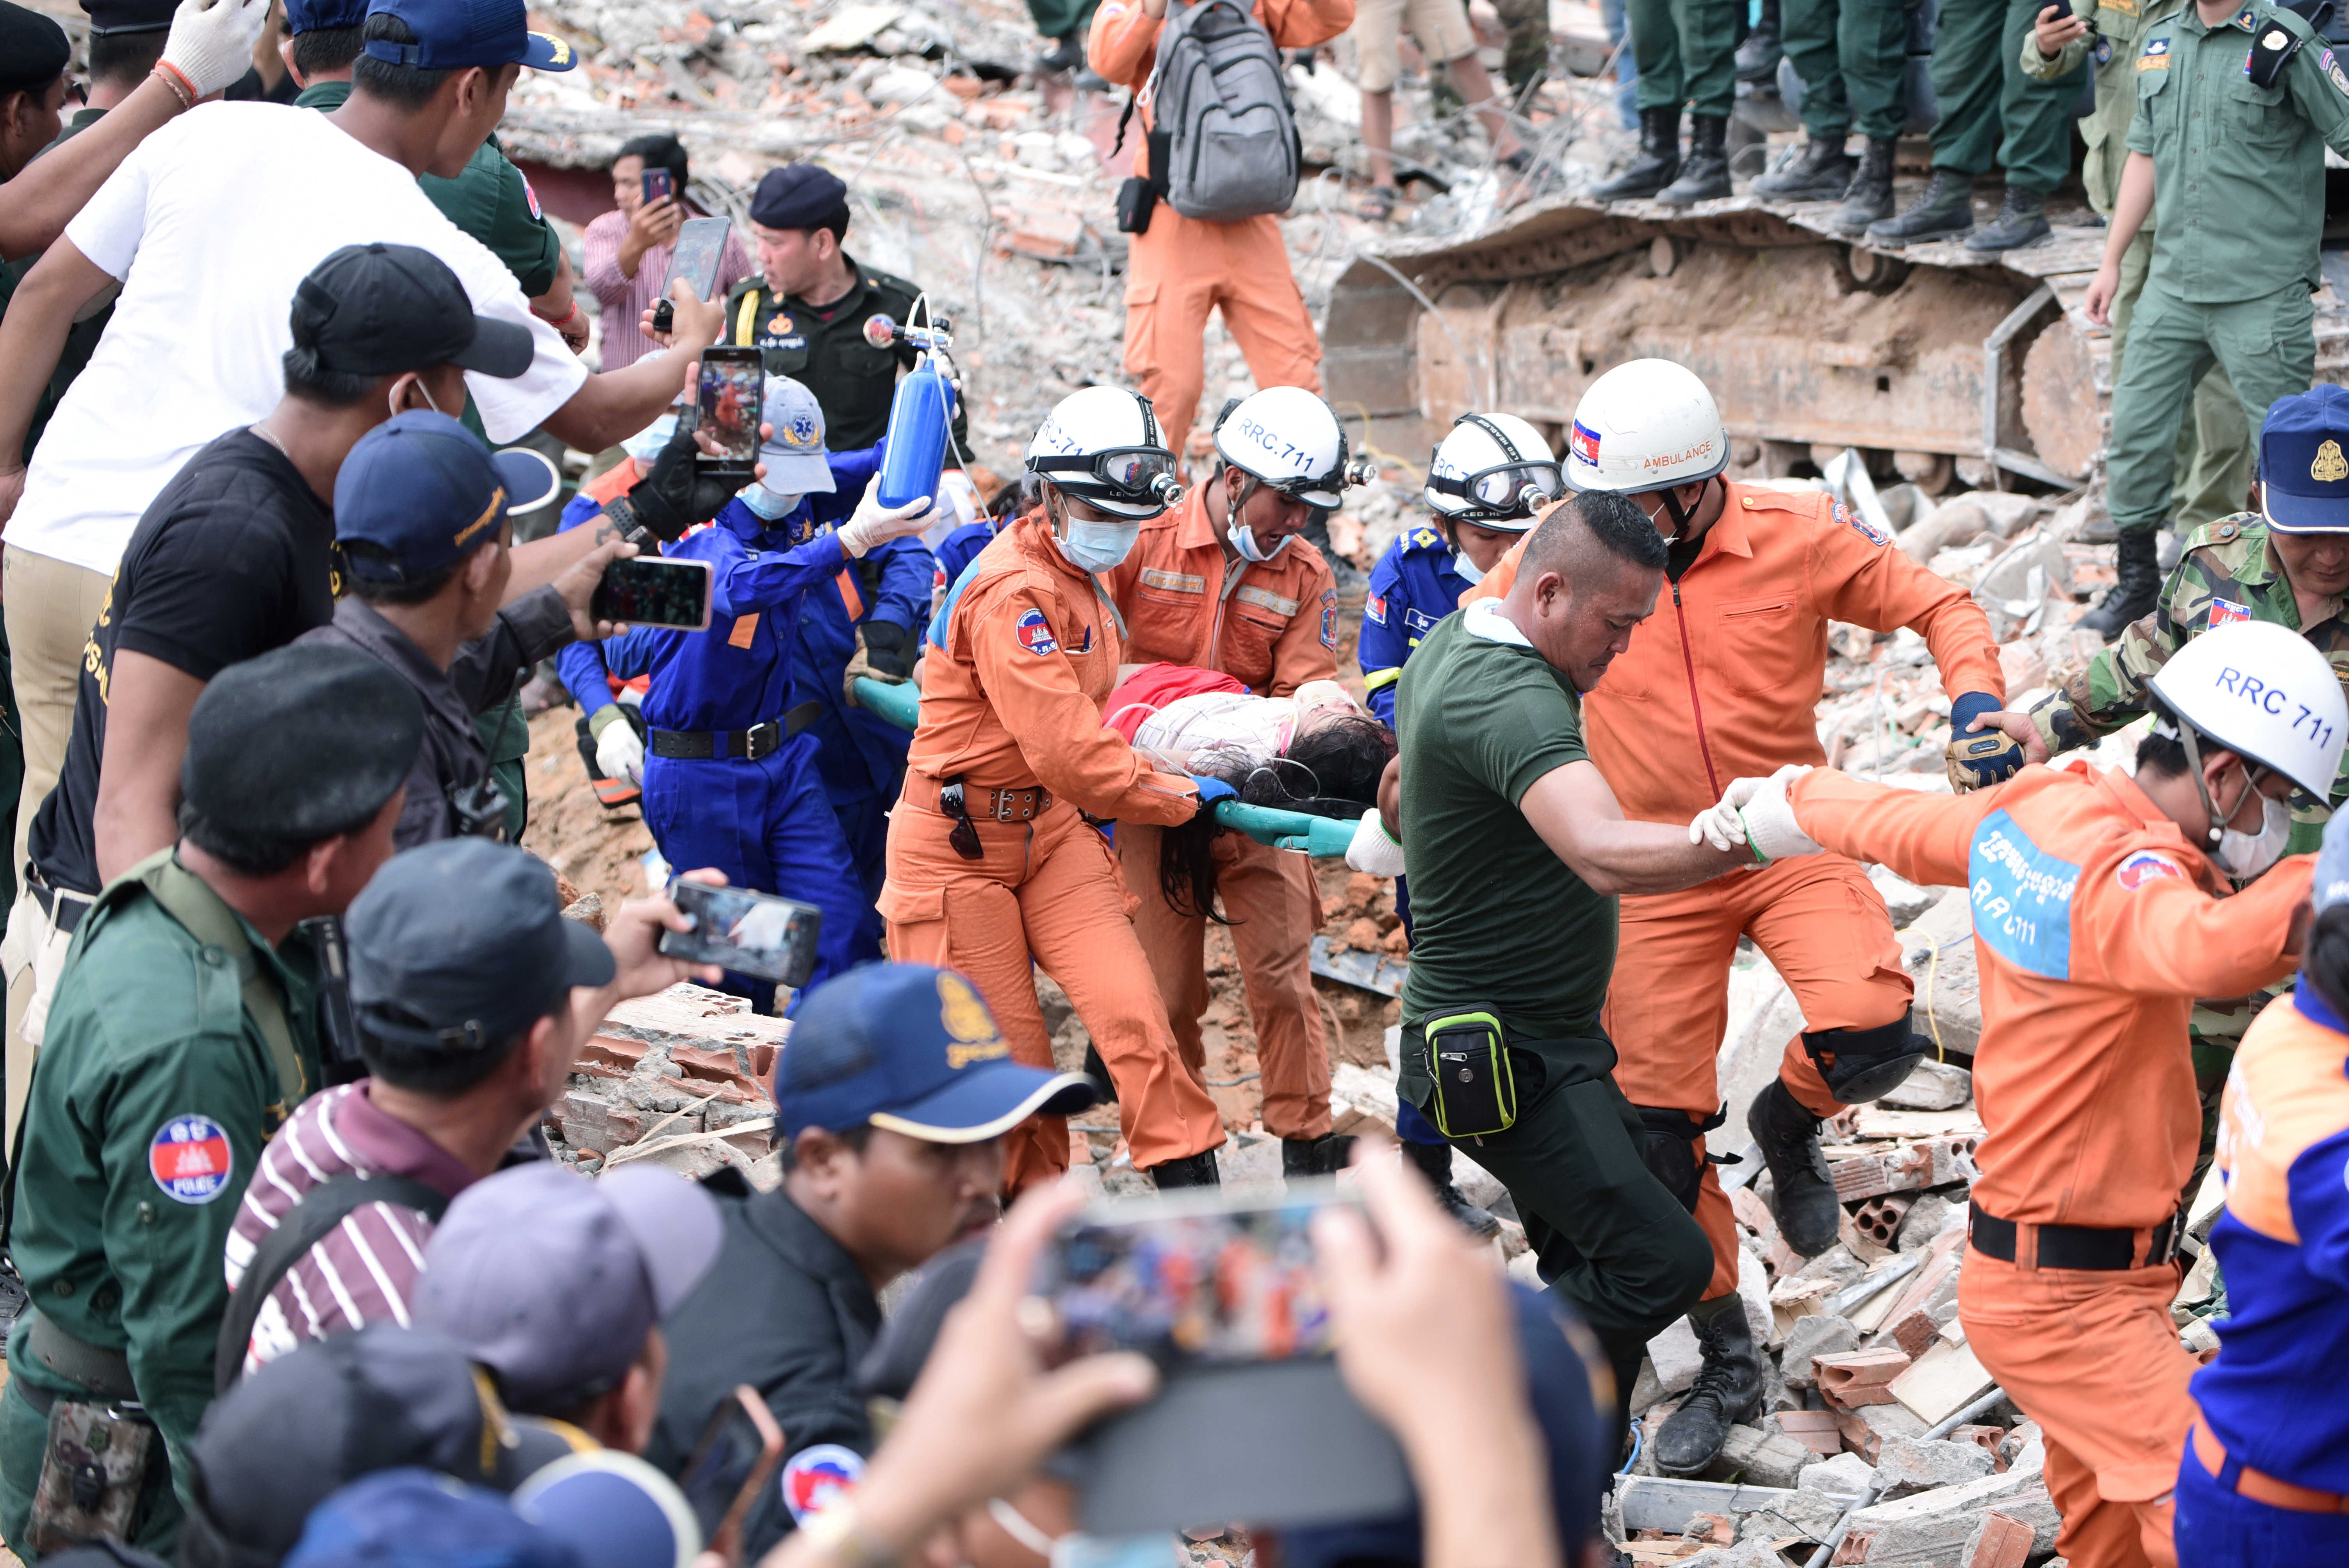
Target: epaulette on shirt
[[2232, 540], [1426, 537]]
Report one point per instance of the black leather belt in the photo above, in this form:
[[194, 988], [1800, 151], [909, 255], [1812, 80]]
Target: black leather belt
[[2077, 1246], [720, 745], [65, 910], [102, 1372]]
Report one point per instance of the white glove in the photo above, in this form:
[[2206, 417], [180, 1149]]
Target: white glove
[[1374, 850], [212, 41], [1753, 815], [620, 751], [876, 524]]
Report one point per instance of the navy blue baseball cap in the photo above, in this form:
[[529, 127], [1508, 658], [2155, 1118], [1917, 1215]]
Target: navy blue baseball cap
[[910, 1050], [798, 196], [425, 491], [416, 1518], [453, 34], [458, 945], [311, 16], [2304, 462]]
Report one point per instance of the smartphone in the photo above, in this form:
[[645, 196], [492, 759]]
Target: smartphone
[[737, 1453], [1252, 1420], [700, 244], [657, 187], [648, 591], [732, 398], [754, 934]]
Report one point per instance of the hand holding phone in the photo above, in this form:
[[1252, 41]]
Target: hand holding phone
[[732, 401], [754, 934], [652, 591]]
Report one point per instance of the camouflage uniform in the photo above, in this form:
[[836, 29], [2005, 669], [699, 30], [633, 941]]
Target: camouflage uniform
[[2226, 573]]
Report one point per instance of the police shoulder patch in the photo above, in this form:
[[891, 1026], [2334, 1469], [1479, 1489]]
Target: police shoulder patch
[[1374, 609], [2144, 866], [1425, 538], [2227, 613], [1860, 525], [819, 1476], [1035, 633], [1329, 617], [191, 1159], [530, 196]]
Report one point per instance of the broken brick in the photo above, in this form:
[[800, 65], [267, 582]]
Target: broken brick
[[1815, 1430], [2001, 1542], [1852, 1378]]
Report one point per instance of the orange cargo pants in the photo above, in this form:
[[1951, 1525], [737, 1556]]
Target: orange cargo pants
[[2092, 1357], [1185, 267], [1822, 925], [1051, 889], [1268, 896]]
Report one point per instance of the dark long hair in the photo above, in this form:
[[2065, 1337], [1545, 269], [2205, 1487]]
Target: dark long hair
[[1330, 770]]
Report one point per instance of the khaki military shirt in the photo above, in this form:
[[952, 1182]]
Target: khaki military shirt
[[154, 1092], [2117, 28], [826, 350], [2227, 574], [2238, 169]]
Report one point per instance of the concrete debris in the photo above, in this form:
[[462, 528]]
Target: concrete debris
[[1763, 1458], [1906, 1466], [1931, 1086], [680, 1079], [1811, 1336], [1843, 1475]]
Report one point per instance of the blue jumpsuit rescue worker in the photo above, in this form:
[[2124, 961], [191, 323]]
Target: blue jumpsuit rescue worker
[[1485, 481], [2266, 1473], [867, 621], [732, 780], [183, 1033]]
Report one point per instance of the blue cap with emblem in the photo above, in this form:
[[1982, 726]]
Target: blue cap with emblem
[[2304, 469], [910, 1050], [453, 34], [795, 453], [798, 196], [420, 491]]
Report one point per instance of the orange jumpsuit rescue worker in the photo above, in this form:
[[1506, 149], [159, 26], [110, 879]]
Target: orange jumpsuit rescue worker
[[1224, 583], [1182, 268], [2098, 916], [1718, 684], [991, 860]]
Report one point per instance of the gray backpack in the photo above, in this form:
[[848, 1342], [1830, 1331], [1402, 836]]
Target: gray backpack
[[1226, 145]]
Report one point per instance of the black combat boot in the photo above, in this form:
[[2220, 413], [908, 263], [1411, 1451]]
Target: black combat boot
[[1323, 1156], [1809, 1214], [1191, 1170], [1822, 173], [1434, 1162], [1868, 197], [1944, 212], [2131, 599], [1757, 56], [1098, 1070], [1705, 176], [1728, 1389], [1659, 162], [2022, 221], [1067, 58]]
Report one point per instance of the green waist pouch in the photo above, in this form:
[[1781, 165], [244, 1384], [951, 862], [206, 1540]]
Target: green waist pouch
[[1475, 1091]]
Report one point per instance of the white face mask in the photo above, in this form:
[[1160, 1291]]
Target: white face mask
[[2247, 855], [1470, 572], [1096, 546], [769, 504], [1244, 540]]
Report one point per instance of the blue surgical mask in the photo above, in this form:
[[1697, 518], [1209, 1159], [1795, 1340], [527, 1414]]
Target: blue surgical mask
[[767, 503], [1097, 546], [1244, 540], [1470, 572]]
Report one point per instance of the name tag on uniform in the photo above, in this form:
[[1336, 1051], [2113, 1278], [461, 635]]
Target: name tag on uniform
[[1266, 599], [1419, 621], [1173, 582], [2022, 898]]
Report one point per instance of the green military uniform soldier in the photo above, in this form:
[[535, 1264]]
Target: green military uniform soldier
[[2232, 154], [1853, 57], [1687, 53], [183, 1034], [2288, 567], [838, 349], [2214, 449]]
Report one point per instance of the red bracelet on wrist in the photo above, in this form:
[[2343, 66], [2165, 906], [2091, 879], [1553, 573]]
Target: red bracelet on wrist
[[177, 80], [559, 322]]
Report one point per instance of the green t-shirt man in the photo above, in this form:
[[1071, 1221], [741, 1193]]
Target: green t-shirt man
[[1499, 920]]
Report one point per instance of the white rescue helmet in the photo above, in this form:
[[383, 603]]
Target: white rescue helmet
[[2263, 692], [1493, 471], [1290, 440], [1647, 425], [1102, 446]]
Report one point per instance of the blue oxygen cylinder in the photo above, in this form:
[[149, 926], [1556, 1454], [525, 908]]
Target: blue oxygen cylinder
[[920, 417]]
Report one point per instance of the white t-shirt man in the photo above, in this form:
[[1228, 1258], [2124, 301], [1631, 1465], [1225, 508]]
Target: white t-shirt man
[[210, 223]]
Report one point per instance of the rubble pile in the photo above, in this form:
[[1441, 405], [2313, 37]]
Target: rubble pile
[[679, 1079]]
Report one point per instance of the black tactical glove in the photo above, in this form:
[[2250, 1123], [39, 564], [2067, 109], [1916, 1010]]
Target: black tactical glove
[[881, 653], [676, 495]]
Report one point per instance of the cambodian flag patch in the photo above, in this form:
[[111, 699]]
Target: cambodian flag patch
[[190, 1159], [1036, 634], [819, 1476], [2226, 612], [2143, 867], [1374, 609], [1861, 526], [1585, 441]]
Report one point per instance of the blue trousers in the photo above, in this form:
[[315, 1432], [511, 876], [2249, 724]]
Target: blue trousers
[[2216, 1528], [863, 818], [766, 825]]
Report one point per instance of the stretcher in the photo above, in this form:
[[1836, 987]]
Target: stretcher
[[1307, 834]]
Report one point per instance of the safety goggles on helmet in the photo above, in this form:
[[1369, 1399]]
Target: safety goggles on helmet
[[1143, 475], [1325, 489], [1517, 488]]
